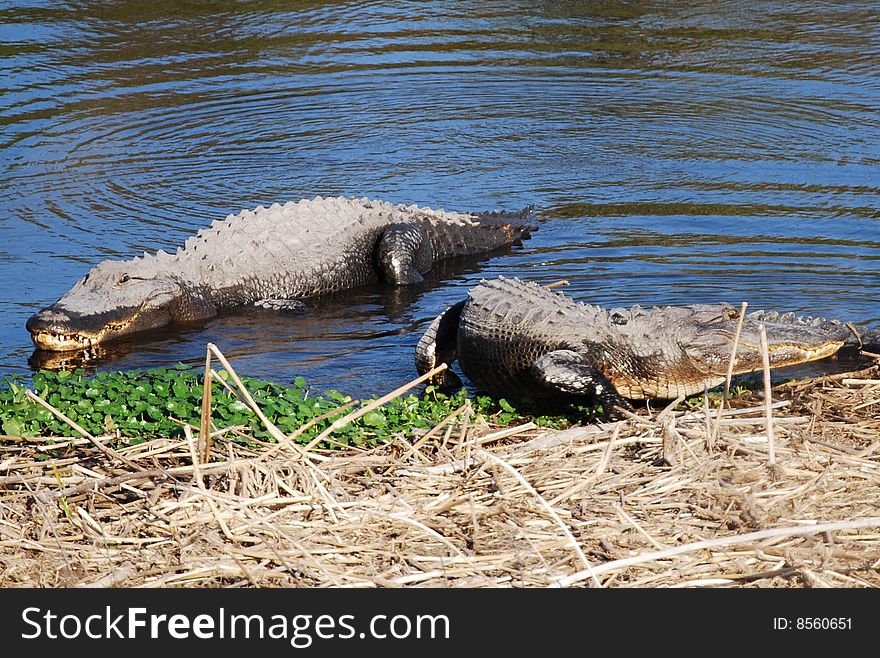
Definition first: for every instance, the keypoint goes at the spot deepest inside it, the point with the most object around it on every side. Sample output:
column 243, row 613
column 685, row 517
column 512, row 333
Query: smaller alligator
column 272, row 257
column 522, row 340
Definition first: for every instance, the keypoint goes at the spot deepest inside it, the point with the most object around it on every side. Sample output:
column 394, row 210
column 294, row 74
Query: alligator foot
column 291, row 306
column 403, row 253
column 564, row 372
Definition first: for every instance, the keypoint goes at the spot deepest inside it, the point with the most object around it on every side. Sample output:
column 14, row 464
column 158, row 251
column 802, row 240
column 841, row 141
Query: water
column 680, row 151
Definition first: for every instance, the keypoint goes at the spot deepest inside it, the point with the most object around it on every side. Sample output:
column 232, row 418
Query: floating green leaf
column 141, row 405
column 12, row 427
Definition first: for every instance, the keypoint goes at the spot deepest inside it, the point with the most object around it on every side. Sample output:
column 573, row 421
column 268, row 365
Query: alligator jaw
column 64, row 339
column 669, row 385
column 783, row 353
column 45, row 340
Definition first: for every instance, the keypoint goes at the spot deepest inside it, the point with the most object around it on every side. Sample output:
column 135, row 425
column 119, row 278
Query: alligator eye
column 124, row 278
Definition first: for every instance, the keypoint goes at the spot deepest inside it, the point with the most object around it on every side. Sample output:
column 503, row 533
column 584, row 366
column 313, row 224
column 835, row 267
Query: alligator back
column 507, row 324
column 321, row 245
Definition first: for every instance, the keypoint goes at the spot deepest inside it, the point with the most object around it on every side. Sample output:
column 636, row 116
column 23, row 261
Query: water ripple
column 679, row 151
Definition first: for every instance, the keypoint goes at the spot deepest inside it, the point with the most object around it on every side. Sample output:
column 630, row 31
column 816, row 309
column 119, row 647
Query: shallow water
column 679, row 151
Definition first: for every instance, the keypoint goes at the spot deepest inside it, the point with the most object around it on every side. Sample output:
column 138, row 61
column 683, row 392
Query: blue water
column 679, row 151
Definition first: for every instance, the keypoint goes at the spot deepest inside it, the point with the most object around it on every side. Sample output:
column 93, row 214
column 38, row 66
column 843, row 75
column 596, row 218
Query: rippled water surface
column 680, row 152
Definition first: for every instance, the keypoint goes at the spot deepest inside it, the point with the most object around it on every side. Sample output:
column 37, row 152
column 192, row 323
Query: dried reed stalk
column 727, row 379
column 249, row 400
column 768, row 396
column 557, row 284
column 278, row 447
column 739, row 325
column 747, row 538
column 385, row 399
column 205, row 420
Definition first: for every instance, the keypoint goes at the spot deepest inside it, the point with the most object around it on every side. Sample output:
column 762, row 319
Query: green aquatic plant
column 135, row 406
column 139, row 405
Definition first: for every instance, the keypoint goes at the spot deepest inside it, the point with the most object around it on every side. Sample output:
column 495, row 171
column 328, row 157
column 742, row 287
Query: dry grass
column 670, row 499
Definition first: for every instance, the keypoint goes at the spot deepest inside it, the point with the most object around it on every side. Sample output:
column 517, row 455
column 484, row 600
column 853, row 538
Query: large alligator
column 273, row 257
column 526, row 341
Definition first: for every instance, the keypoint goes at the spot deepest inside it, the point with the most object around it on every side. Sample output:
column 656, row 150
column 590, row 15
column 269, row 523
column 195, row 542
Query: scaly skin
column 523, row 340
column 272, row 257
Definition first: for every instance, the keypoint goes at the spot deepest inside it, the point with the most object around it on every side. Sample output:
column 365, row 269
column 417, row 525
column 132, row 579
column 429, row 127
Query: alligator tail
column 485, row 232
column 439, row 344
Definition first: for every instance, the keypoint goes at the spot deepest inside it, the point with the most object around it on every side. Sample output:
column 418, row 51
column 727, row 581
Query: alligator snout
column 49, row 320
column 54, row 329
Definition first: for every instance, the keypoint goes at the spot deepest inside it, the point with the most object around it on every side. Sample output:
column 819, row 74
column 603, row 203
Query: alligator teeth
column 63, row 338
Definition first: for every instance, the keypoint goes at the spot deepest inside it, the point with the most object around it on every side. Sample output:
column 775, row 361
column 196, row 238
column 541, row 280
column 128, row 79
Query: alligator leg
column 564, row 371
column 439, row 344
column 403, row 253
column 291, row 306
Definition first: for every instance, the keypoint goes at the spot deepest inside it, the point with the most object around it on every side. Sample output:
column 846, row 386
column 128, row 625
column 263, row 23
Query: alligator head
column 114, row 299
column 684, row 348
column 790, row 340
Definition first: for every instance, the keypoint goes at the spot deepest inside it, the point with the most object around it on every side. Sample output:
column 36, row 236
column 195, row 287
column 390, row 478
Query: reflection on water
column 680, row 151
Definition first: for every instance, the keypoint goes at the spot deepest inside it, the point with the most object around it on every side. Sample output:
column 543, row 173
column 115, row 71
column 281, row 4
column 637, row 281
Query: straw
column 490, row 506
column 768, row 396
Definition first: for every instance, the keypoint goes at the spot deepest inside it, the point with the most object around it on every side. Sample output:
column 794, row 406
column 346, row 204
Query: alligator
column 524, row 341
column 272, row 257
